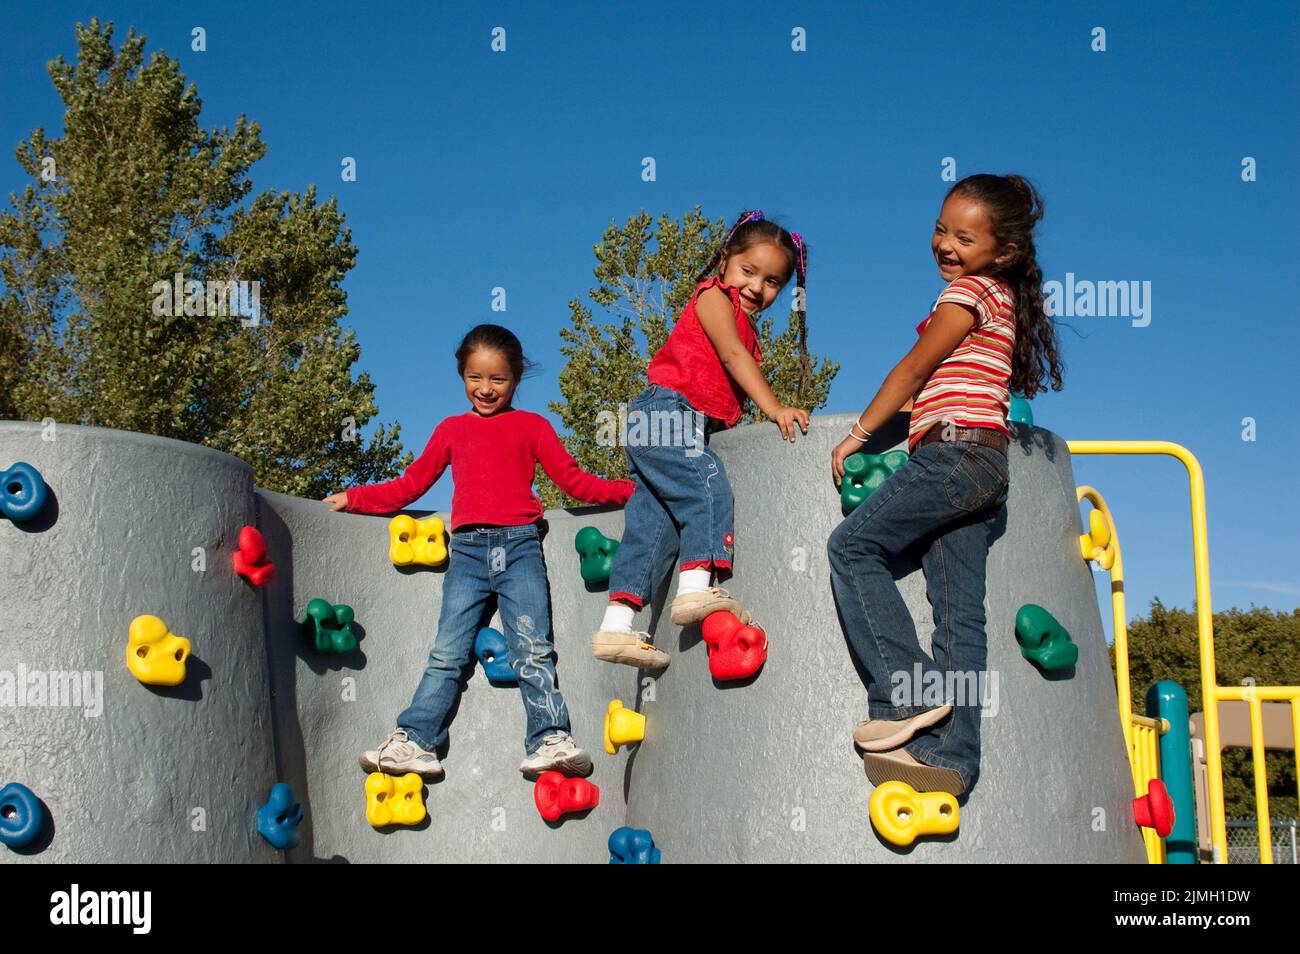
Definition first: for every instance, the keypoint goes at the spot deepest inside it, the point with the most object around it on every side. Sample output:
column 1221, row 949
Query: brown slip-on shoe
column 898, row 765
column 881, row 735
column 691, row 608
column 630, row 649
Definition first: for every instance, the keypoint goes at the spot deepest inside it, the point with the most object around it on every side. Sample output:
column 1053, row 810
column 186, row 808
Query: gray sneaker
column 558, row 753
column 398, row 755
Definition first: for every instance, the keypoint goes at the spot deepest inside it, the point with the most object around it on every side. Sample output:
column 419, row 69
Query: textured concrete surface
column 763, row 771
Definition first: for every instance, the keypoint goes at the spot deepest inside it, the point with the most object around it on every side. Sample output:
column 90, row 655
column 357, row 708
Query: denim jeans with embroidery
column 946, row 501
column 682, row 508
column 505, row 563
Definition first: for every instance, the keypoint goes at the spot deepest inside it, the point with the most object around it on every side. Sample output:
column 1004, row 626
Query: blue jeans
column 946, row 500
column 682, row 503
column 505, row 562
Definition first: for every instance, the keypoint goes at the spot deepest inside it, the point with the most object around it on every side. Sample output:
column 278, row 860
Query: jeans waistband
column 652, row 391
column 970, row 435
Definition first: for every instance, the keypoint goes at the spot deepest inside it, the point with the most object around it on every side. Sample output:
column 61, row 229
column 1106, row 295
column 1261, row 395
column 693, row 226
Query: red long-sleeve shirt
column 493, row 460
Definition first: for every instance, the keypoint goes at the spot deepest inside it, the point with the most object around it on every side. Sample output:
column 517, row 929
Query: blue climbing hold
column 22, row 492
column 632, row 846
column 22, row 816
column 278, row 819
column 493, row 656
column 1020, row 411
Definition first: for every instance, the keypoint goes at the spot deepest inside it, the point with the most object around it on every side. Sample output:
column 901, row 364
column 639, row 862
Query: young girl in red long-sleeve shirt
column 495, row 552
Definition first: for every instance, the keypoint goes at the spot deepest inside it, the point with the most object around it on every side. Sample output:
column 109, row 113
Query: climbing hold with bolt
column 154, row 654
column 901, row 814
column 596, row 554
column 1043, row 640
column 863, row 475
column 416, row 541
column 250, row 559
column 622, row 726
column 328, row 627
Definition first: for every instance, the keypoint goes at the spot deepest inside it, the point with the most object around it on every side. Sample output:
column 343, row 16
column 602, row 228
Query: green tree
column 646, row 273
column 1257, row 643
column 134, row 192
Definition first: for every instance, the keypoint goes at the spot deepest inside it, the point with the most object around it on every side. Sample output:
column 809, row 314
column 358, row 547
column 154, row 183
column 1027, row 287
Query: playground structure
column 760, row 769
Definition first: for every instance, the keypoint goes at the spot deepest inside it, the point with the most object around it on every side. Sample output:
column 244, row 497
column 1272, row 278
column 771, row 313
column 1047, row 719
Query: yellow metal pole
column 1204, row 615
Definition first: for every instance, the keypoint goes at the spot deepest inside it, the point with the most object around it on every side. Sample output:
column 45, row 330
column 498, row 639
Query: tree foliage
column 1257, row 643
column 134, row 192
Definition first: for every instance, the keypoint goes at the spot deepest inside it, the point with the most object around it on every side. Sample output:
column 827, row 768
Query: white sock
column 618, row 618
column 693, row 581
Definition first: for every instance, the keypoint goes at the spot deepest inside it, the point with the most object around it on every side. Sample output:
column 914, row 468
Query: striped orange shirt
column 971, row 387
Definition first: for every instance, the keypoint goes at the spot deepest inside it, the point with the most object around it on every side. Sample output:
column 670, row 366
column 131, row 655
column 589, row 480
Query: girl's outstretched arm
column 572, row 479
column 946, row 330
column 718, row 319
column 395, row 494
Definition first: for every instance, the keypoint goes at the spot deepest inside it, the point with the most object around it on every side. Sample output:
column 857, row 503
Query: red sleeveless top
column 688, row 363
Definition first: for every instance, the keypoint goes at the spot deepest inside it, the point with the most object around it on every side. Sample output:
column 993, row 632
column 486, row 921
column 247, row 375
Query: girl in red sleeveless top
column 682, row 508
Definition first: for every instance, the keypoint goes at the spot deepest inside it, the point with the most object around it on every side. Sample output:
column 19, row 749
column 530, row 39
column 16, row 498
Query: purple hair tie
column 755, row 216
column 798, row 244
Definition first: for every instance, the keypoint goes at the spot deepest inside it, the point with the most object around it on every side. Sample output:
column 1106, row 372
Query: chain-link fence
column 1243, row 841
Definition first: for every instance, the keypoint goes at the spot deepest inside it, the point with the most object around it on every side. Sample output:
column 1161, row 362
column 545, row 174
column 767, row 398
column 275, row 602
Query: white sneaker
column 398, row 755
column 558, row 753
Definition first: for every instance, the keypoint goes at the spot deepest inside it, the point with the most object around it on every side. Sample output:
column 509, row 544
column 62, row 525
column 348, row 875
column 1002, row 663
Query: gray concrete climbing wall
column 759, row 772
column 157, row 774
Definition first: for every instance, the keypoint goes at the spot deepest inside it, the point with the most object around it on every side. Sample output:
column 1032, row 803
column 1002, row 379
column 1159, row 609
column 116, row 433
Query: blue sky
column 478, row 170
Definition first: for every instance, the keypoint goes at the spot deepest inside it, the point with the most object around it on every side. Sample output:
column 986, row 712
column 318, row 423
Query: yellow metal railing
column 1211, row 692
column 1141, row 733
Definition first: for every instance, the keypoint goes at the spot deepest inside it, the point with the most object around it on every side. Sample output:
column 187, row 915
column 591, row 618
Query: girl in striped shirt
column 988, row 334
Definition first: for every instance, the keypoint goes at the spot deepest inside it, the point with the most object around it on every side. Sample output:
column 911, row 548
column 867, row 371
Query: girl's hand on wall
column 785, row 418
column 337, row 501
column 842, row 450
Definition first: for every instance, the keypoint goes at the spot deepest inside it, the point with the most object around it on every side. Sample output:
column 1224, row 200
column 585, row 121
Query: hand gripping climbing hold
column 622, row 726
column 490, row 648
column 596, row 552
column 394, row 800
column 416, row 541
column 329, row 627
column 555, row 794
column 22, row 816
column 277, row 820
column 22, row 492
column 1155, row 809
column 154, row 654
column 250, row 559
column 863, row 475
column 1043, row 640
column 1020, row 411
column 901, row 814
column 632, row 846
column 735, row 651
column 1098, row 543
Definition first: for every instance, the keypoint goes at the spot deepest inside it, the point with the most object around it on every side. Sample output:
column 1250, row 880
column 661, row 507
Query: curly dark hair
column 1014, row 207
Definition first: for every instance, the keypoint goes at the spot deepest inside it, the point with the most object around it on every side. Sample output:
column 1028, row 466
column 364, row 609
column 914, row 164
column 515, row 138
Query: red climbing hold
column 1155, row 809
column 735, row 651
column 556, row 794
column 250, row 558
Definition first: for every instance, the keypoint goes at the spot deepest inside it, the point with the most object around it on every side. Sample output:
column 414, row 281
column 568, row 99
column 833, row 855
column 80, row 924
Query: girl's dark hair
column 752, row 229
column 494, row 338
column 1014, row 208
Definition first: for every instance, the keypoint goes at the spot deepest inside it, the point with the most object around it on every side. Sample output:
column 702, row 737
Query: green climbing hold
column 328, row 627
column 864, row 473
column 1043, row 640
column 597, row 554
column 1020, row 411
